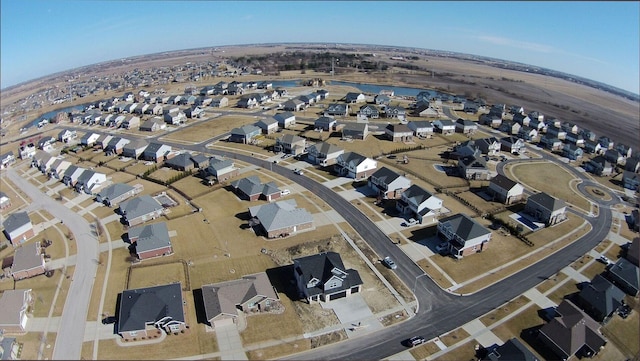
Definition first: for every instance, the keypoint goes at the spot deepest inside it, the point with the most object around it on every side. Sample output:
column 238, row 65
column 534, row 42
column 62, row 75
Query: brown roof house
column 223, row 301
column 15, row 307
column 140, row 209
column 146, row 311
column 505, row 190
column 546, row 208
column 151, row 240
column 280, row 219
column 18, row 228
column 323, row 277
column 252, row 189
column 28, row 261
column 573, row 332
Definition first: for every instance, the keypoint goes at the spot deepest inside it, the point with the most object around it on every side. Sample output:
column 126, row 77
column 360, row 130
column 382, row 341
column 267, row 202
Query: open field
column 209, row 128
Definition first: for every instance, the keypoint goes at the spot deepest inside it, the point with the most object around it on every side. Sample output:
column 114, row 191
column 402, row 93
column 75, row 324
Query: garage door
column 335, row 296
column 223, row 322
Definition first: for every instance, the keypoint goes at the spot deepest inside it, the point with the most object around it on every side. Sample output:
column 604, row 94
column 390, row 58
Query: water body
column 52, row 114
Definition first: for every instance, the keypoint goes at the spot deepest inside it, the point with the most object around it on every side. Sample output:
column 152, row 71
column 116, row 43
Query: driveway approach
column 68, row 344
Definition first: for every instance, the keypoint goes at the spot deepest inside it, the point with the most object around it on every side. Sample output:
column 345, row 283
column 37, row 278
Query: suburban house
column 492, row 120
column 599, row 166
column 323, row 277
column 46, row 143
column 268, row 125
column 354, row 165
column 71, row 175
column 600, row 298
column 337, row 109
column 244, row 134
column 58, row 168
column 546, row 208
column 473, row 167
column 5, row 201
column 572, row 151
column 223, row 301
column 421, row 129
column 357, row 131
column 351, row 98
column 513, row 145
column 153, row 125
column 633, row 250
column 527, row 133
column 487, row 146
column 324, row 154
column 181, row 162
column 630, row 180
column 575, row 139
column 15, row 305
column 28, row 261
column 624, row 149
column 465, row 126
column 419, row 204
column 550, row 142
column 219, row 102
column 27, row 151
column 445, row 126
column 293, row 105
column 572, row 332
column 381, row 99
column 397, row 112
column 388, row 184
column 512, row 350
column 140, row 209
column 285, row 120
column 613, row 156
column 221, row 170
column 556, row 132
column 151, row 240
column 130, row 122
column 115, row 193
column 424, row 109
column 89, row 139
column 134, row 148
column 89, row 180
column 18, row 228
column 398, row 133
column 280, row 219
column 325, row 123
column 252, row 189
column 66, row 135
column 291, row 144
column 144, row 311
column 632, row 164
column 625, row 275
column 156, row 152
column 504, row 190
column 369, row 111
column 465, row 236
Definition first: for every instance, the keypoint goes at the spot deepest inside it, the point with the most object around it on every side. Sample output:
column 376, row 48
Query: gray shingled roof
column 321, row 266
column 15, row 221
column 139, row 206
column 547, row 201
column 150, row 237
column 11, row 304
column 279, row 215
column 465, row 227
column 223, row 297
column 416, row 194
column 503, row 182
column 352, row 158
column 114, row 191
column 602, row 295
column 145, row 305
column 27, row 257
column 385, row 175
column 512, row 350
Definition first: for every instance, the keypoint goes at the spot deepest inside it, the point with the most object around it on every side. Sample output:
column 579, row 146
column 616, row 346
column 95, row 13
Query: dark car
column 109, row 320
column 415, row 341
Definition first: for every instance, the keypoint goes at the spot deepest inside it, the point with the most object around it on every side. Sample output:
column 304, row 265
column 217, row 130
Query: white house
column 354, row 165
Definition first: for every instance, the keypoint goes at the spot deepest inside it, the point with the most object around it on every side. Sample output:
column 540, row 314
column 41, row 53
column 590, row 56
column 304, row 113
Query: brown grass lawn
column 624, row 333
column 192, row 186
column 256, row 150
column 116, row 283
column 57, row 236
column 116, row 230
column 149, row 188
column 17, row 196
column 434, row 274
column 526, row 319
column 210, row 128
column 283, row 349
column 264, row 327
column 477, row 201
column 603, row 245
column 594, row 269
column 163, row 174
column 546, row 235
column 31, row 345
column 464, row 352
column 581, row 262
column 561, row 292
column 504, row 310
column 454, row 336
column 550, row 178
column 551, row 282
column 149, row 275
column 425, row 350
column 139, row 167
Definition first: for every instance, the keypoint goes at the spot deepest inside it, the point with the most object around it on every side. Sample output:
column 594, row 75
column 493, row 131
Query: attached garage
column 337, row 295
column 226, row 321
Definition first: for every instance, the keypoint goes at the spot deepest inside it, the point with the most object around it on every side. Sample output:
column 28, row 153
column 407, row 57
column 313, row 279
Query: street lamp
column 415, row 283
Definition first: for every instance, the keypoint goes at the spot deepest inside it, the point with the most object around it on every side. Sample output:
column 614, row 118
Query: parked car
column 387, row 261
column 285, row 192
column 442, row 246
column 604, row 260
column 298, row 172
column 415, row 341
column 410, row 222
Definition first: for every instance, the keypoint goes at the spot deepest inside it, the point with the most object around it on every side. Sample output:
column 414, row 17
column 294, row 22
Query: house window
column 133, row 333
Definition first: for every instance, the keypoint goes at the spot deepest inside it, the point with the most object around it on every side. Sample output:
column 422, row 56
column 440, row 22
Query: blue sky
column 595, row 40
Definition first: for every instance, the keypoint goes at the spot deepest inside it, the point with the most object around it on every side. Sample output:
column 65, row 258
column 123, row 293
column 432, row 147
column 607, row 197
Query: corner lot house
column 504, row 190
column 117, row 192
column 324, row 153
column 223, row 301
column 419, row 203
column 5, row 201
column 244, row 134
column 388, row 184
column 280, row 219
column 28, row 261
column 14, row 305
column 354, row 165
column 18, row 228
column 600, row 298
column 145, row 311
column 464, row 235
column 573, row 332
column 151, row 240
column 546, row 208
column 323, row 277
column 626, row 276
column 140, row 209
column 156, row 152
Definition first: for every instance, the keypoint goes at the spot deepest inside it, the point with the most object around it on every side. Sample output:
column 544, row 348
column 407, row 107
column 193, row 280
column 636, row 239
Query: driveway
column 354, row 313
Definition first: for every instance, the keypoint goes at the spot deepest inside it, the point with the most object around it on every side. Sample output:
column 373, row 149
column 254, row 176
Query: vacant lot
column 204, row 130
column 163, row 272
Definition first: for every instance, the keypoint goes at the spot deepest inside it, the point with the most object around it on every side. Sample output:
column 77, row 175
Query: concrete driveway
column 354, row 313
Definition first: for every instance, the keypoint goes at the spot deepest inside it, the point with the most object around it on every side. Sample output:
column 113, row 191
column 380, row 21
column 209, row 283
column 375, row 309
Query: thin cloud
column 497, row 40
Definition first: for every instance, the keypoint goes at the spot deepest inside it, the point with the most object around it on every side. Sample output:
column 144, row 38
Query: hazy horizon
column 74, row 34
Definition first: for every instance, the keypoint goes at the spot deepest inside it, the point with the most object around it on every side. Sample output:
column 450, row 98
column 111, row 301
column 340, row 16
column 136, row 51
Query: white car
column 285, row 192
column 298, row 172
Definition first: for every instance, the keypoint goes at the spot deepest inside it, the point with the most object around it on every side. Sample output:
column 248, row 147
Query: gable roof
column 115, row 190
column 180, row 160
column 223, row 297
column 278, row 215
column 150, row 236
column 512, row 350
column 465, row 227
column 547, row 201
column 13, row 303
column 27, row 256
column 144, row 305
column 245, row 130
column 351, row 158
column 252, row 185
column 602, row 295
column 323, row 267
column 503, row 182
column 626, row 271
column 15, row 221
column 139, row 206
column 385, row 175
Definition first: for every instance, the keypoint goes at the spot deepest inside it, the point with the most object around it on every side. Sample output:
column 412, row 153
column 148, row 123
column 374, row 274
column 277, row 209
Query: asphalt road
column 70, row 334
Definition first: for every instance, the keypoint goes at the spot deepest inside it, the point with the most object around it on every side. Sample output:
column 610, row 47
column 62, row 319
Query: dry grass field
column 209, row 128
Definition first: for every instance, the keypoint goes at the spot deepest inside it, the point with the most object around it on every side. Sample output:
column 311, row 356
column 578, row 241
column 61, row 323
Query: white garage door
column 223, row 322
